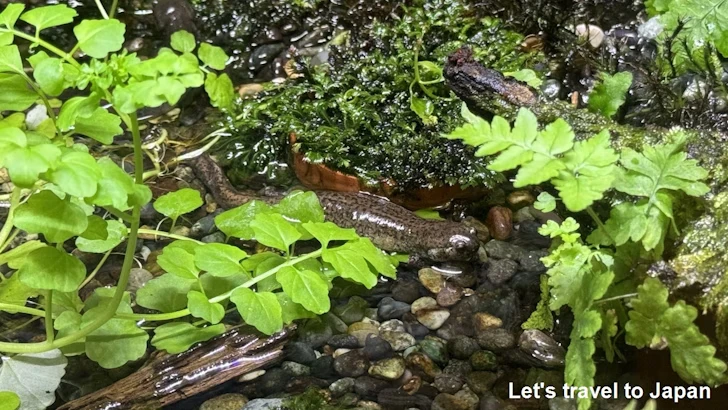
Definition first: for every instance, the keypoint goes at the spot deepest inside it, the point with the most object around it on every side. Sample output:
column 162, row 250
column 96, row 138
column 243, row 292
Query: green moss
column 370, row 112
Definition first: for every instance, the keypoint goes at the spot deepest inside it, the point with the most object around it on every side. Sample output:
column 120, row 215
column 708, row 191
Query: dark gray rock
column 352, row 311
column 274, row 380
column 323, row 367
column 503, row 250
column 501, row 270
column 414, row 327
column 300, row 353
column 342, row 386
column 315, row 333
column 351, row 364
column 368, row 387
column 447, row 383
column 462, row 347
column 343, row 341
column 542, row 347
column 531, row 261
column 392, row 309
column 496, row 339
column 484, row 360
column 481, row 382
column 407, row 290
column 376, row 348
column 459, row 368
column 396, row 399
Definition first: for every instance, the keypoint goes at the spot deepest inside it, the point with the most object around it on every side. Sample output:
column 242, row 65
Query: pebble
column 501, row 270
column 362, row 330
column 542, row 347
column 323, row 367
column 392, row 309
column 522, row 215
column 274, row 380
column 216, row 237
column 347, row 400
column 445, row 401
column 435, row 348
column 531, row 261
column 204, row 226
column 376, row 348
column 352, row 311
column 499, row 222
column 388, row 369
column 351, row 364
column 368, row 405
column 315, row 333
column 519, row 199
column 421, row 365
column 449, row 295
column 342, row 386
column 446, row 383
column 503, row 250
column 399, row 340
column 431, row 280
column 480, row 381
column 368, row 387
column 406, row 290
column 459, row 368
column 484, row 360
column 481, row 230
column 423, row 304
column 551, row 89
column 229, row 401
column 343, row 341
column 339, row 352
column 398, row 399
column 462, row 347
column 264, row 404
column 296, row 369
column 488, row 401
column 300, row 353
column 337, row 325
column 393, row 325
column 496, row 339
column 137, row 278
column 591, row 33
column 433, row 319
column 413, row 327
column 483, row 321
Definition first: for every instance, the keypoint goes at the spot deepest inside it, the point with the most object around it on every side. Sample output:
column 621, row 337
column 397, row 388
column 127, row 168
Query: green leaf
column 16, row 95
column 67, row 323
column 291, row 310
column 220, row 89
column 202, row 308
column 177, row 203
column 545, row 202
column 429, row 213
column 424, row 108
column 116, row 188
column 10, row 61
column 77, row 174
column 14, row 292
column 16, row 256
column 259, row 309
column 49, row 16
column 9, row 400
column 183, row 41
column 326, row 232
column 179, row 262
column 10, row 14
column 52, row 269
column 212, row 56
column 48, row 73
column 526, row 75
column 261, row 263
column 236, row 222
column 350, row 265
column 220, row 259
column 176, row 337
column 475, row 133
column 98, row 38
column 115, row 234
column 57, row 219
column 702, row 21
column 653, row 321
column 580, row 368
column 300, row 206
column 275, row 231
column 101, row 125
column 589, row 172
column 34, row 377
column 609, row 93
column 117, row 341
column 166, row 293
column 75, row 107
column 306, row 288
column 554, row 140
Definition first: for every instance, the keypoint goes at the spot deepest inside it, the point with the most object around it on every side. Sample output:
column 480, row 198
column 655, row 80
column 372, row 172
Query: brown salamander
column 389, row 226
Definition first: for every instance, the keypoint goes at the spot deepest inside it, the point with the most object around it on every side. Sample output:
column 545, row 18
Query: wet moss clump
column 378, row 107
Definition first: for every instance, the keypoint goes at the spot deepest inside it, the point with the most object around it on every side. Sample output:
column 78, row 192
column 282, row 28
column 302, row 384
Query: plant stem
column 102, row 10
column 7, row 243
column 182, row 313
column 48, row 46
column 110, row 310
column 9, row 307
column 50, row 335
column 8, row 226
column 95, row 271
column 628, row 295
column 155, row 232
column 112, row 10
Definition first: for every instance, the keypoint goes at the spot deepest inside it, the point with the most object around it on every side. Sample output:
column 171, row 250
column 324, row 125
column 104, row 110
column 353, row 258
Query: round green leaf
column 305, row 287
column 57, row 219
column 9, row 400
column 98, row 38
column 201, row 307
column 259, row 309
column 52, row 269
column 76, row 174
column 49, row 76
column 301, row 207
column 167, row 293
column 220, row 259
column 178, row 262
column 49, row 16
column 236, row 222
column 183, row 41
column 213, row 56
column 176, row 337
column 275, row 231
column 115, row 234
column 178, row 202
column 117, row 341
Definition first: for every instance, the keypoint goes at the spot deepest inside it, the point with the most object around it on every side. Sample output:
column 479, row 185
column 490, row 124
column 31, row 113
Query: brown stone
column 519, row 199
column 500, row 222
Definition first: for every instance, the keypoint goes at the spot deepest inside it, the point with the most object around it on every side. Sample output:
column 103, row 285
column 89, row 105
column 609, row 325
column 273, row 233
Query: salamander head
column 457, row 243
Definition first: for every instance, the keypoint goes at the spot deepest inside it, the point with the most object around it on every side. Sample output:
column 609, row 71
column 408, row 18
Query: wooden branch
column 167, row 379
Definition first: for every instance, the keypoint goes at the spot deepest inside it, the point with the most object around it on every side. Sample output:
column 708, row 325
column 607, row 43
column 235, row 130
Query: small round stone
column 300, row 353
column 229, row 401
column 542, row 347
column 343, row 340
column 503, row 250
column 295, row 369
column 480, row 381
column 446, row 383
column 519, row 199
column 433, row 319
column 436, row 349
column 499, row 222
column 323, row 367
column 445, row 401
column 484, row 360
column 422, row 365
column 392, row 309
column 500, row 271
column 422, row 304
column 483, row 321
column 362, row 330
column 407, row 291
column 376, row 348
column 398, row 340
column 462, row 347
column 342, row 386
column 393, row 325
column 388, row 369
column 351, row 364
column 449, row 295
column 431, row 280
column 496, row 339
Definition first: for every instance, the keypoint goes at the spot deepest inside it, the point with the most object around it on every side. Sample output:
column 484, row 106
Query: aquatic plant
column 591, row 278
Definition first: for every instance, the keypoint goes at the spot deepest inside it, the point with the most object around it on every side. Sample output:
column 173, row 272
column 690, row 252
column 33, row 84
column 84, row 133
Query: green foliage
column 705, row 20
column 654, row 323
column 541, row 317
column 9, row 400
column 609, row 93
column 178, row 203
column 33, row 378
column 176, row 337
column 580, row 171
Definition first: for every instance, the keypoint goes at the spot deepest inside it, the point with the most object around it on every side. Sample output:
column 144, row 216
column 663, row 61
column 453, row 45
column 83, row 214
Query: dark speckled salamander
column 389, row 226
